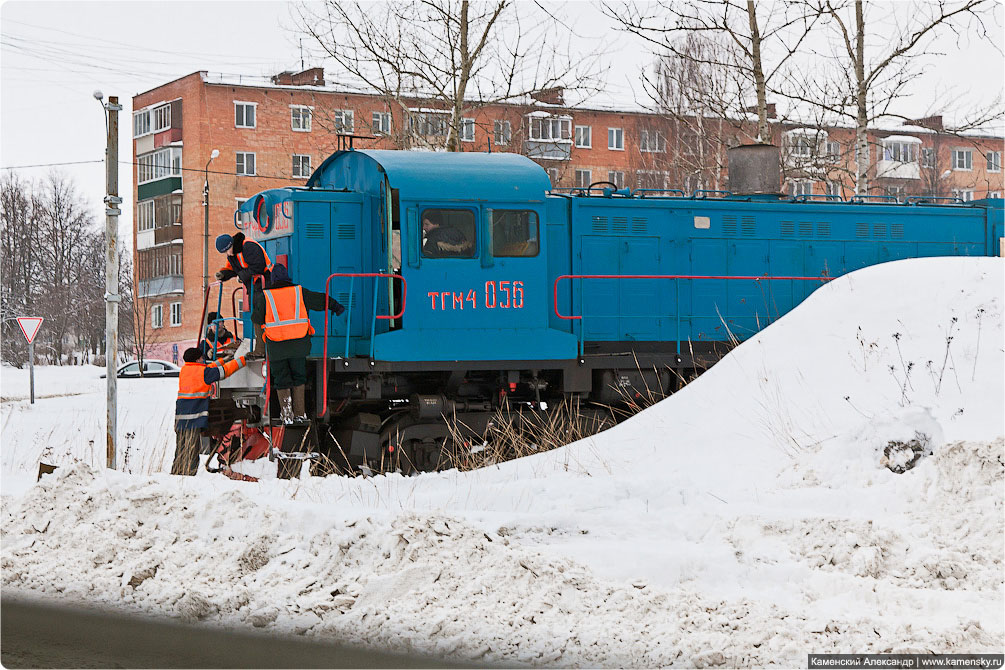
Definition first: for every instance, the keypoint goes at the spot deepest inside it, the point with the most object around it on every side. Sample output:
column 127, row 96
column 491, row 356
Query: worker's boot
column 299, row 410
column 285, row 406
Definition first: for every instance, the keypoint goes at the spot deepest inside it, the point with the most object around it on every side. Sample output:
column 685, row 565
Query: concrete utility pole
column 112, row 211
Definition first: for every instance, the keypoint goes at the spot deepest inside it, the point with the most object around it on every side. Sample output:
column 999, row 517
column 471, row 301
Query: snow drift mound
column 428, row 583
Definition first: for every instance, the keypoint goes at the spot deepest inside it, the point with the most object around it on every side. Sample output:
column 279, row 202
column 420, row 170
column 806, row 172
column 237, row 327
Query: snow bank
column 436, row 584
column 747, row 520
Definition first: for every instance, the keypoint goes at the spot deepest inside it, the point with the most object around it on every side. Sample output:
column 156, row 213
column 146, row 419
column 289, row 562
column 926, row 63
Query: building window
column 963, row 159
column 245, row 163
column 583, row 178
column 617, row 178
column 428, row 124
column 900, row 151
column 964, row 194
column 145, row 216
column 994, row 194
column 800, row 188
column 584, row 137
column 801, row 146
column 616, row 139
column 651, row 179
column 553, row 176
column 897, row 192
column 832, row 188
column 244, row 114
column 381, row 123
column 300, row 118
column 157, row 316
column 176, row 314
column 141, row 123
column 502, row 132
column 652, row 141
column 928, row 158
column 833, row 150
column 162, row 118
column 343, row 121
column 158, row 164
column 994, row 161
column 467, row 130
column 301, row 166
column 550, row 128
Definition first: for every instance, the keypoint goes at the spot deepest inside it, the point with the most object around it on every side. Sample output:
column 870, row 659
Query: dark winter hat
column 224, row 242
column 211, row 317
column 191, row 355
column 279, row 274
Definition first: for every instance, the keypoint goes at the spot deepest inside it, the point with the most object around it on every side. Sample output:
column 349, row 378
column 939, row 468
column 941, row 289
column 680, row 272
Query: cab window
column 515, row 233
column 448, row 233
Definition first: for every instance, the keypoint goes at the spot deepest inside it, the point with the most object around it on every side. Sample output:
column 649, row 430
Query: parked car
column 151, row 368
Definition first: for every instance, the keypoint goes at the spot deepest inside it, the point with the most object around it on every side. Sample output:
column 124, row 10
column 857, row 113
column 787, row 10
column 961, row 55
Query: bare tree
column 436, row 61
column 869, row 74
column 762, row 38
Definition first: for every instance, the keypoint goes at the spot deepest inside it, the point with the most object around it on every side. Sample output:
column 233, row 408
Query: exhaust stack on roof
column 754, row 169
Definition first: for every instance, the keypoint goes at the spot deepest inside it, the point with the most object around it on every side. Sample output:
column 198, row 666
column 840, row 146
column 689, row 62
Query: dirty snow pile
column 746, row 521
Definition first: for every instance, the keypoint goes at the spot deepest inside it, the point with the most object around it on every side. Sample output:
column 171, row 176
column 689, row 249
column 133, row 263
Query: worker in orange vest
column 247, row 258
column 282, row 311
column 191, row 414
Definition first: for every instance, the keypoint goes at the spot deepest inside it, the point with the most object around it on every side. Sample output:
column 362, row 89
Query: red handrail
column 747, row 277
column 392, row 317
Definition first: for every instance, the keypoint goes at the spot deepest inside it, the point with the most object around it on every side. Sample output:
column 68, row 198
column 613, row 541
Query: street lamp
column 205, row 233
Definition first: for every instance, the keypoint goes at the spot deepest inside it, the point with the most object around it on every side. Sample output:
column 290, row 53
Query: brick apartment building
column 274, row 132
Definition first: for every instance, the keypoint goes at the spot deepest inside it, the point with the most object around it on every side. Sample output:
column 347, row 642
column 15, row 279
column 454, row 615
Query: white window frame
column 548, row 128
column 646, row 145
column 900, row 151
column 141, row 123
column 158, row 164
column 799, row 187
column 966, row 165
column 502, row 133
column 297, row 114
column 467, row 129
column 298, row 166
column 380, row 123
column 832, row 188
column 254, row 114
column 161, row 117
column 965, row 194
column 927, row 157
column 145, row 212
column 343, row 117
column 157, row 316
column 584, row 137
column 615, row 139
column 175, row 314
column 583, row 183
column 994, row 194
column 616, row 177
column 994, row 161
column 241, row 163
column 662, row 176
column 553, row 176
column 833, row 149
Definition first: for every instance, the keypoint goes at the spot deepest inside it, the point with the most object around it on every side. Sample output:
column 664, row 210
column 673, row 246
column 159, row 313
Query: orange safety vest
column 191, row 383
column 286, row 317
column 240, row 256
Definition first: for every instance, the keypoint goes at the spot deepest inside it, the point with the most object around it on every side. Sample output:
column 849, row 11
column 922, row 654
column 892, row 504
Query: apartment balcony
column 550, row 150
column 898, row 170
column 161, row 286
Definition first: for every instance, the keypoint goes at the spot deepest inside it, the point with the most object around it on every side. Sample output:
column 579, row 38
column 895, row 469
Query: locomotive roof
column 428, row 175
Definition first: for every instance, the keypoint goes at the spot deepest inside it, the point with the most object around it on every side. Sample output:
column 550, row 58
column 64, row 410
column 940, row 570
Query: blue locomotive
column 469, row 282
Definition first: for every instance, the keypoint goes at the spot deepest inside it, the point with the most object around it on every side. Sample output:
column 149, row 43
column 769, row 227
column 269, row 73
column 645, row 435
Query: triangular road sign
column 29, row 326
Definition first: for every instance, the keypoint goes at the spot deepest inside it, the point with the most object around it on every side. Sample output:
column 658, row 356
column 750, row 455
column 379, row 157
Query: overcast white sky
column 55, row 54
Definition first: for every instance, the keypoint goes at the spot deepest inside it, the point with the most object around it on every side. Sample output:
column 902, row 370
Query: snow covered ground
column 746, row 521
